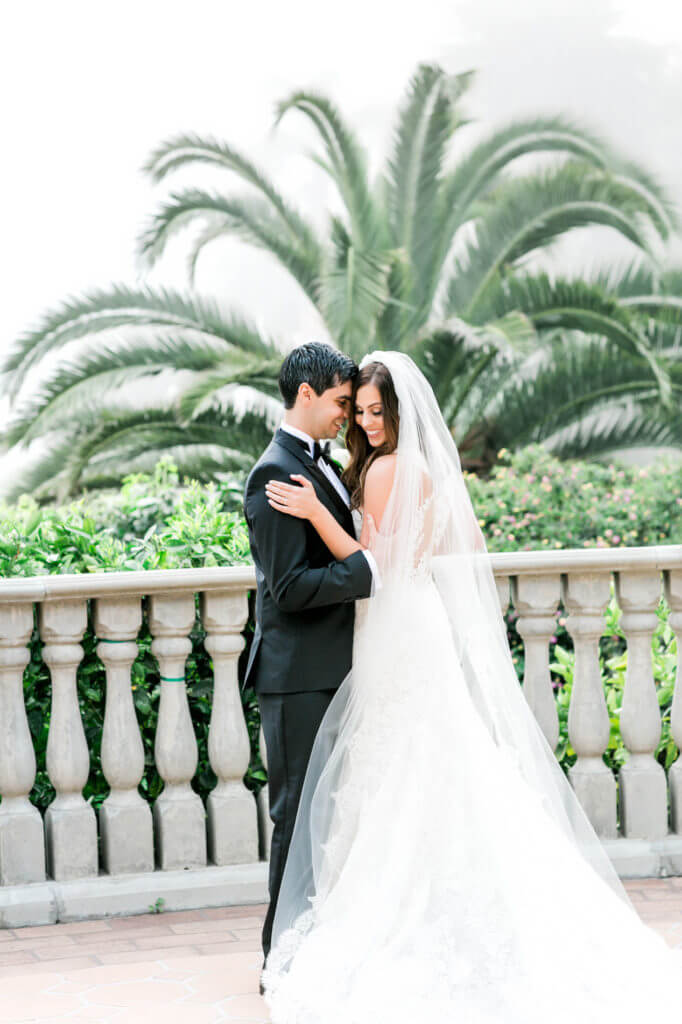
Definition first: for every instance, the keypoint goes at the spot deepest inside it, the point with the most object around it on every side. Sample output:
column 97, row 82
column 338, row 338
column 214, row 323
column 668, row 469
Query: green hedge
column 530, row 501
column 534, row 501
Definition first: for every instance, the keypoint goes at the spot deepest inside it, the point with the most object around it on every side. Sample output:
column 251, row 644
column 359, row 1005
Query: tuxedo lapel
column 296, row 448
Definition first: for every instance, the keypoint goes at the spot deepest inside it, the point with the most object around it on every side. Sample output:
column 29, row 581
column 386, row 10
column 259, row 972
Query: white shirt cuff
column 374, row 569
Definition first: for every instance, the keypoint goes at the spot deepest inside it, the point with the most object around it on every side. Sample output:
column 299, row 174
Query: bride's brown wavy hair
column 362, row 455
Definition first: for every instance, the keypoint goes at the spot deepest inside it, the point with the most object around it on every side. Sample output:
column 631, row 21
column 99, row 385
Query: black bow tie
column 321, row 451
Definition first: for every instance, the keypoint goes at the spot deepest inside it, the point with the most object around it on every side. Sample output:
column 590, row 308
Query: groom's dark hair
column 316, row 364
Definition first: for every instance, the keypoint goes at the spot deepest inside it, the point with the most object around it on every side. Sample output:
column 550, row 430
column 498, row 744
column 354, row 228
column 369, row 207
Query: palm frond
column 197, row 461
column 530, row 213
column 638, row 277
column 202, row 389
column 120, row 307
column 578, row 306
column 617, row 429
column 426, row 124
column 661, row 210
column 40, row 465
column 572, row 379
column 354, row 291
column 59, row 388
column 185, row 149
column 479, row 170
column 249, row 218
column 397, row 321
column 453, row 356
column 346, row 162
column 83, row 403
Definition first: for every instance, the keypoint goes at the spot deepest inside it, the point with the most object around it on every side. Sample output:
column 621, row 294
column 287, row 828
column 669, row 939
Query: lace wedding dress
column 441, row 869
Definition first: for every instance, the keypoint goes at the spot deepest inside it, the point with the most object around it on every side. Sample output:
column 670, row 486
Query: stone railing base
column 237, row 885
column 646, row 858
column 125, row 895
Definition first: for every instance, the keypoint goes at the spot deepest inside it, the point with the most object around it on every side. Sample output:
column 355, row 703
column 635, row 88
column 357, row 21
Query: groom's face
column 326, row 413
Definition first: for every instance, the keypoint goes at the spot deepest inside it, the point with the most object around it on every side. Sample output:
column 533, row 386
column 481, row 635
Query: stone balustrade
column 78, row 863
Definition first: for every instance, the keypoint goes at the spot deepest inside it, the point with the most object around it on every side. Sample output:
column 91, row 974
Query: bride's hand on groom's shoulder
column 298, row 500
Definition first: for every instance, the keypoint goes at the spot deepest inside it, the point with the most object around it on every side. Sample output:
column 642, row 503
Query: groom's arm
column 281, row 544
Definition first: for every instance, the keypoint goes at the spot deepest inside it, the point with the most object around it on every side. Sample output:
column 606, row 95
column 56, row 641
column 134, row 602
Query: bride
column 441, row 868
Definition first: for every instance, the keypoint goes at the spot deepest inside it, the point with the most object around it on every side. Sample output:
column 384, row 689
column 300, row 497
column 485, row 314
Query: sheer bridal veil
column 428, row 529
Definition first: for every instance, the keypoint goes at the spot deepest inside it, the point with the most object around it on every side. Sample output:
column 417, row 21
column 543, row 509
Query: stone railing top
column 240, row 577
column 587, row 559
column 120, row 584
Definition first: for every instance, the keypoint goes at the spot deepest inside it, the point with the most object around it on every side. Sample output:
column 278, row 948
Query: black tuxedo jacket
column 305, row 598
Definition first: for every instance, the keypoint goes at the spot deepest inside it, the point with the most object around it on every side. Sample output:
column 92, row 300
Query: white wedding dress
column 439, row 871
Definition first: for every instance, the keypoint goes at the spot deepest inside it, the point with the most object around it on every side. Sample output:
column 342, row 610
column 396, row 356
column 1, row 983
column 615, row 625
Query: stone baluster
column 127, row 836
column 502, row 585
column 673, row 595
column 70, row 823
column 264, row 820
column 231, row 808
column 643, row 787
column 22, row 842
column 179, row 816
column 536, row 599
column 585, row 596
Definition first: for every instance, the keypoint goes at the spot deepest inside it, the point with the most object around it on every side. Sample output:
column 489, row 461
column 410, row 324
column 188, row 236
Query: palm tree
column 443, row 256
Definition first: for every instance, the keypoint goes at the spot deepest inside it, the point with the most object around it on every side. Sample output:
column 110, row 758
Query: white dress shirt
column 340, row 489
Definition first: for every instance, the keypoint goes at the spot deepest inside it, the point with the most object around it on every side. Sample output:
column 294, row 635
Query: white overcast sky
column 88, row 89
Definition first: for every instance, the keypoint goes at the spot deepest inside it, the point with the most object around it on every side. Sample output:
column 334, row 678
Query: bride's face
column 369, row 414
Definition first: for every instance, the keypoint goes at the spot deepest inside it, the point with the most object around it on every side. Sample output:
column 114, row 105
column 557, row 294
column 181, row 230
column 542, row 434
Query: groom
column 302, row 645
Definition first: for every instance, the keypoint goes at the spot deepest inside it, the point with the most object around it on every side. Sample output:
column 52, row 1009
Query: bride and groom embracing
column 429, row 859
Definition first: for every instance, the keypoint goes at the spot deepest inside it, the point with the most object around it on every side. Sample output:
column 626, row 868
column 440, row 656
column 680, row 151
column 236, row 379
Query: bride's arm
column 378, row 484
column 302, row 501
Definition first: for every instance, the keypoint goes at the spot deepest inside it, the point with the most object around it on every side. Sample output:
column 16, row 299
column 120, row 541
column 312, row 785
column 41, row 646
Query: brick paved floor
column 194, row 967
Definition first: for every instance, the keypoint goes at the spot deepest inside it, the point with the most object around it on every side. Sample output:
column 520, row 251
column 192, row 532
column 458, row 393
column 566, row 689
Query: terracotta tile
column 251, row 1006
column 125, row 935
column 57, row 953
column 67, row 928
column 18, row 957
column 146, row 956
column 170, row 1014
column 215, row 985
column 197, row 965
column 245, row 910
column 226, row 926
column 166, row 942
column 247, row 933
column 229, row 948
column 42, row 943
column 170, row 916
column 127, row 993
column 75, row 963
column 139, row 921
column 247, row 946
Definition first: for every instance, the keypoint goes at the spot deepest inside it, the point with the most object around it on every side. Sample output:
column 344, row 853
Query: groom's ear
column 305, row 392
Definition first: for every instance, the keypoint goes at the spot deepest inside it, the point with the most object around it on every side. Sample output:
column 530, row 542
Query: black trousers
column 290, row 724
